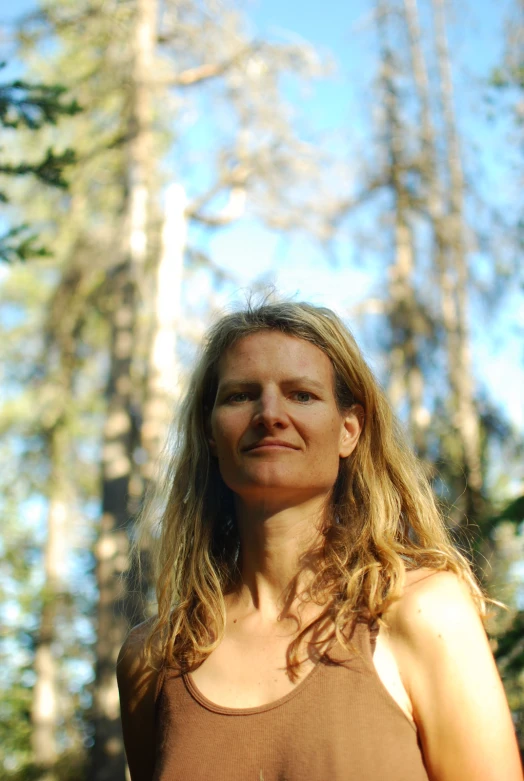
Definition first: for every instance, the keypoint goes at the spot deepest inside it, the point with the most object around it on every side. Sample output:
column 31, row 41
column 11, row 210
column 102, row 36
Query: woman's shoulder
column 434, row 613
column 433, row 603
column 447, row 667
column 138, row 670
column 138, row 666
column 135, row 644
column 433, row 596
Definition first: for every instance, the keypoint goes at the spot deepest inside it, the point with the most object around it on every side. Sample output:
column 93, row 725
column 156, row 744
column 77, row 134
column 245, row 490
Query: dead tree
column 117, row 609
column 455, row 283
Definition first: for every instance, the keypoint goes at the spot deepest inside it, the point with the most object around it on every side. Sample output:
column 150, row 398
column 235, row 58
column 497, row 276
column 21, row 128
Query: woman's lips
column 274, row 444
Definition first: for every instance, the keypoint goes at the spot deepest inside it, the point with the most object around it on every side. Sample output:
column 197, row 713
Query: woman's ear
column 352, row 425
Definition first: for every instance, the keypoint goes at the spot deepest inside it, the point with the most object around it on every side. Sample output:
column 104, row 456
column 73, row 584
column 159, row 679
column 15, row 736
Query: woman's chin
column 278, row 493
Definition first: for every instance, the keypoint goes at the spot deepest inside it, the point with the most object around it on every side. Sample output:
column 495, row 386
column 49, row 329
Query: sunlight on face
column 275, row 424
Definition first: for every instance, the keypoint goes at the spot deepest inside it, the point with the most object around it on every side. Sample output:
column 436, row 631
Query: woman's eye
column 303, row 396
column 238, row 397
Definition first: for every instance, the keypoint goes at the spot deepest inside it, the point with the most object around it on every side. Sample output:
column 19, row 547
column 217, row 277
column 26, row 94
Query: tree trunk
column 119, row 607
column 455, row 277
column 61, row 334
column 162, row 375
column 45, row 706
column 428, row 164
column 112, row 547
column 406, row 379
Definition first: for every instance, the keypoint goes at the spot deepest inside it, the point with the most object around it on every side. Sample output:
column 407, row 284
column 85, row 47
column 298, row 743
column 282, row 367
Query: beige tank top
column 338, row 724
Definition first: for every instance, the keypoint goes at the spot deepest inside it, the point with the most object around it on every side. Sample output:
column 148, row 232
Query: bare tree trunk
column 112, row 547
column 406, row 379
column 455, row 284
column 61, row 338
column 420, row 75
column 116, row 608
column 429, row 158
column 162, row 375
column 428, row 164
column 162, row 378
column 45, row 706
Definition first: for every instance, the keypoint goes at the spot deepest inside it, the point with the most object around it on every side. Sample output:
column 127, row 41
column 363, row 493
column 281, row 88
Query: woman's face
column 275, row 426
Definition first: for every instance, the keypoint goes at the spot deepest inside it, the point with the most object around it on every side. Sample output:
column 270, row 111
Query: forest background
column 159, row 159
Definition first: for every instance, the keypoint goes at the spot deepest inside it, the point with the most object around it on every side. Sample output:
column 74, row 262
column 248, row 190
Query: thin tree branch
column 211, row 70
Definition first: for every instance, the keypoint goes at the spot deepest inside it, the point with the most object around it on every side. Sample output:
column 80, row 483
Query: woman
column 314, row 621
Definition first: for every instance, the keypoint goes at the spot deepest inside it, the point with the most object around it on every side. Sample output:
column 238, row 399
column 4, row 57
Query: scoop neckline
column 195, row 692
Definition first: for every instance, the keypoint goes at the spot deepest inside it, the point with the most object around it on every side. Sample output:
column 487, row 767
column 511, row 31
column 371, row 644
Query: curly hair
column 383, row 515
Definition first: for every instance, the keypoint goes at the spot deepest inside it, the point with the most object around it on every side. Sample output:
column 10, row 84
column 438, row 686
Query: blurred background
column 159, row 161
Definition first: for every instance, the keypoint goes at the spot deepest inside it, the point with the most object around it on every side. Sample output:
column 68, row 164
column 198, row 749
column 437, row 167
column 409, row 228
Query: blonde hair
column 384, row 517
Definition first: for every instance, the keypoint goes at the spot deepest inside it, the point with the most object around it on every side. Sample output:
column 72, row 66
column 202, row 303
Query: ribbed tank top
column 338, row 724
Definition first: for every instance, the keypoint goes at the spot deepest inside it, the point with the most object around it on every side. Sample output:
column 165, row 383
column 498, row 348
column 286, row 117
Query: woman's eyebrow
column 289, row 381
column 305, row 380
column 229, row 384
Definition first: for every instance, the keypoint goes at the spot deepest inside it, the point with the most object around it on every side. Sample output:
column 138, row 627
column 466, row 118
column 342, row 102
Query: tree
column 407, row 320
column 455, row 284
column 256, row 159
column 423, row 181
column 32, row 105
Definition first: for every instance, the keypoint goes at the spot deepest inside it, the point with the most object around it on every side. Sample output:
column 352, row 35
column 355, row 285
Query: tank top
column 339, row 723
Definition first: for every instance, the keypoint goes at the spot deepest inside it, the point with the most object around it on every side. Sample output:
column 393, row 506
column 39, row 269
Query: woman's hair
column 382, row 517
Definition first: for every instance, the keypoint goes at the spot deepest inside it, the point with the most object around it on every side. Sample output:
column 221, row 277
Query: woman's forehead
column 273, row 352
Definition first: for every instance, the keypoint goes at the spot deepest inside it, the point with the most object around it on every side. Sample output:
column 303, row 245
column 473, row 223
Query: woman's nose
column 270, row 411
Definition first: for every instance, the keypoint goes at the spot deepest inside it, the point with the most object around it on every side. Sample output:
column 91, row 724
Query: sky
column 296, row 266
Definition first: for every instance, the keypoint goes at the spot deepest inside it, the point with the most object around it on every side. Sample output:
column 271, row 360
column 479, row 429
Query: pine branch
column 49, row 170
column 20, row 244
column 32, row 105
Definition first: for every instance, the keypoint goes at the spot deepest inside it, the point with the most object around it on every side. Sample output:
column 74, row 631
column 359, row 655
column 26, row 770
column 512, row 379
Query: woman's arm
column 459, row 703
column 137, row 685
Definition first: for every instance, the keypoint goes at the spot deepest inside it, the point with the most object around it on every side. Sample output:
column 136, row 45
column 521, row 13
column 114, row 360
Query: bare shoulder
column 432, row 596
column 434, row 622
column 447, row 667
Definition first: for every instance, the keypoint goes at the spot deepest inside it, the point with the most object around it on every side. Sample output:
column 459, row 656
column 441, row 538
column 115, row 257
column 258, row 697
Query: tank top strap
column 361, row 641
column 374, row 628
column 364, row 637
column 160, row 681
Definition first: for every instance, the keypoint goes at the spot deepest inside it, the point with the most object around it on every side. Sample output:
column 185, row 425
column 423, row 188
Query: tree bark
column 455, row 282
column 406, row 383
column 61, row 331
column 112, row 548
column 45, row 705
column 162, row 382
column 118, row 606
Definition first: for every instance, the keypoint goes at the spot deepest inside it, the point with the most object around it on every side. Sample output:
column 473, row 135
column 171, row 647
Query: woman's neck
column 279, row 555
